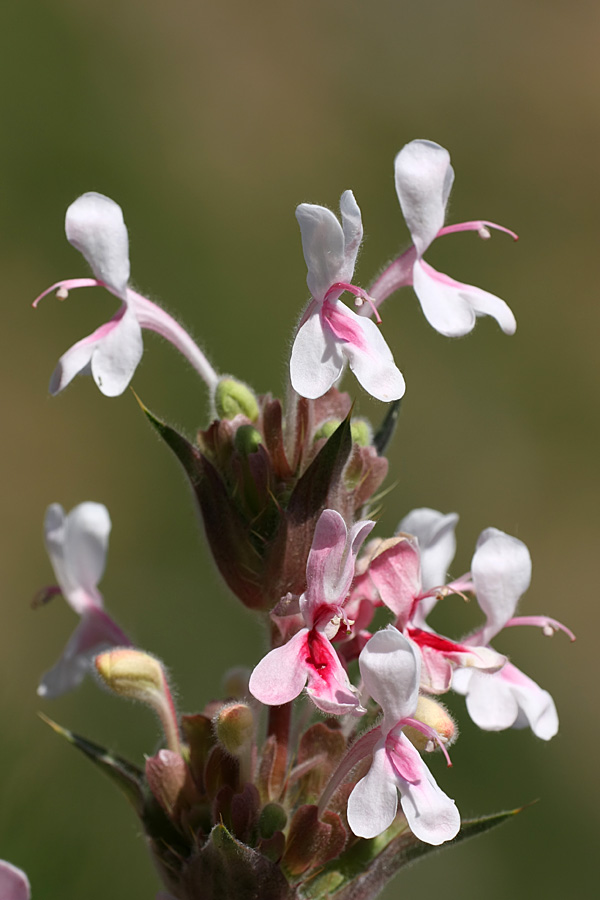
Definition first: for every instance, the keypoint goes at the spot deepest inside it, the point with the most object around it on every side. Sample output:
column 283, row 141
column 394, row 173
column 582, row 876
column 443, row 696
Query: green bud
column 327, row 429
column 234, row 727
column 273, row 818
column 234, row 398
column 247, row 439
column 361, row 432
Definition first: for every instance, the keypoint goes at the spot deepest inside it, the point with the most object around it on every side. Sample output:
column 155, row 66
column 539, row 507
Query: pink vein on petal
column 343, row 327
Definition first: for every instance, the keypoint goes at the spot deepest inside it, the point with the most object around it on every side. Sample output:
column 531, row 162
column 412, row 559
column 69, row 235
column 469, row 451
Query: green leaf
column 132, row 783
column 385, row 432
column 128, row 778
column 186, row 453
column 225, row 868
column 365, row 868
column 312, row 493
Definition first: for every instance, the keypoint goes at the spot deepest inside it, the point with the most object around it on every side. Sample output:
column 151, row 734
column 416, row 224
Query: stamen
column 429, row 732
column 360, row 295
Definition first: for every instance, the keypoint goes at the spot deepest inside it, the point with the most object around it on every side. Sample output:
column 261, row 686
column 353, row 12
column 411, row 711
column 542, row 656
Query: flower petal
column 373, row 803
column 424, row 178
column 117, row 355
column 353, row 233
column 75, row 361
column 437, row 543
column 443, row 304
column 452, row 307
column 369, row 356
column 331, row 562
column 94, row 225
column 328, row 684
column 323, row 247
column 507, row 699
column 396, row 574
column 316, row 361
column 501, row 571
column 14, row 884
column 281, row 675
column 390, row 666
column 77, row 545
column 95, row 633
column 430, row 813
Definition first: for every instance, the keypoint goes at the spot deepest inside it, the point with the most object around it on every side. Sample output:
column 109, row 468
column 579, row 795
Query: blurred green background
column 208, row 123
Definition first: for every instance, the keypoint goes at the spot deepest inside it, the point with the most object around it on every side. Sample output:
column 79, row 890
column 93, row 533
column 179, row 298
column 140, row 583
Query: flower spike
column 95, row 226
column 424, row 178
column 331, row 335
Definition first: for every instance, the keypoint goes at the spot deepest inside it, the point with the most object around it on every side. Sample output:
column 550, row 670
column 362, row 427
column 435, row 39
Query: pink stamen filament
column 359, row 293
column 548, row 625
column 430, row 733
column 479, row 225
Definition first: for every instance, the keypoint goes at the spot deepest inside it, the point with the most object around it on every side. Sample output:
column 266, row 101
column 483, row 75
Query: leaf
column 131, row 781
column 385, row 432
column 289, row 551
column 124, row 774
column 231, row 537
column 225, row 868
column 365, row 868
column 186, row 453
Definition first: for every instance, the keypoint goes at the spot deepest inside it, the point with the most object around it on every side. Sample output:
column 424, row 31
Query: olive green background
column 208, row 123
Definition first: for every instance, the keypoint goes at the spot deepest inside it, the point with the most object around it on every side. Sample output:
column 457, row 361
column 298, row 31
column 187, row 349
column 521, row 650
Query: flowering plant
column 307, row 779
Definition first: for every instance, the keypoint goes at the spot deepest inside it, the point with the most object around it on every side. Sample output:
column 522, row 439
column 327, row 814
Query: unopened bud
column 247, row 439
column 234, row 398
column 273, row 817
column 431, row 713
column 139, row 676
column 327, row 429
column 361, row 431
column 168, row 777
column 131, row 673
column 234, row 727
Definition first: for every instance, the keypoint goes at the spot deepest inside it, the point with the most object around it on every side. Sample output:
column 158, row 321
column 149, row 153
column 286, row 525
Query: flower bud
column 431, row 712
column 273, row 817
column 247, row 439
column 326, row 429
column 361, row 431
column 234, row 398
column 131, row 673
column 139, row 676
column 234, row 727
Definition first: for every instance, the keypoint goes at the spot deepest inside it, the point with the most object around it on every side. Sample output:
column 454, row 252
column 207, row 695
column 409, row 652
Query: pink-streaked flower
column 424, row 178
column 395, row 574
column 77, row 544
column 309, row 658
column 501, row 573
column 14, row 884
column 330, row 334
column 390, row 667
column 94, row 225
